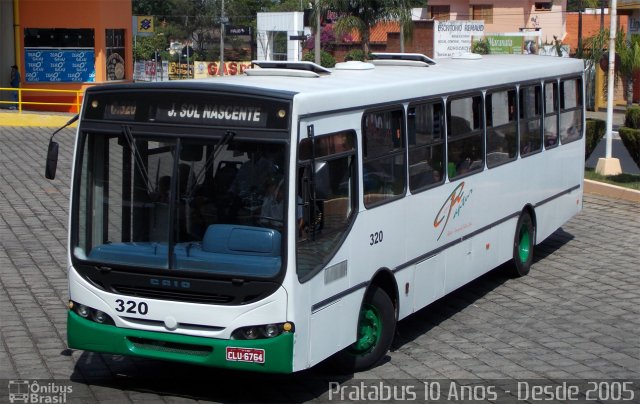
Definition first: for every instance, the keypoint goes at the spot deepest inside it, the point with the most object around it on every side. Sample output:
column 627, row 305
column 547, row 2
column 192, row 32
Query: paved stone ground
column 576, row 316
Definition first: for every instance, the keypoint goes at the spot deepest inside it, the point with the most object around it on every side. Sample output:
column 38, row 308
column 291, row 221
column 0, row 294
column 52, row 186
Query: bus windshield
column 213, row 205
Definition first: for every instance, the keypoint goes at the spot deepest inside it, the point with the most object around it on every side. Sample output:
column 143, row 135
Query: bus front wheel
column 523, row 243
column 376, row 328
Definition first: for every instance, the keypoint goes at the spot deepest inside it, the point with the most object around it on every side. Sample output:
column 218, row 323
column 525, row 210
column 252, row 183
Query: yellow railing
column 19, row 103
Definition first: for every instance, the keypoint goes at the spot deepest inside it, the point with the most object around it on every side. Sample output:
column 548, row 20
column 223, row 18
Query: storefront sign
column 454, row 37
column 232, row 30
column 505, row 45
column 56, row 65
column 209, row 69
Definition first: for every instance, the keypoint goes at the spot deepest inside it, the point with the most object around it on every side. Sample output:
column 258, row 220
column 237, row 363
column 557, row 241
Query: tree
column 362, row 15
column 628, row 50
column 627, row 56
column 148, row 47
column 579, row 6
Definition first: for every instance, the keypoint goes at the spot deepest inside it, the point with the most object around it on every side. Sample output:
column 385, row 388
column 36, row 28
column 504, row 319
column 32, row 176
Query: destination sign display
column 189, row 108
column 213, row 114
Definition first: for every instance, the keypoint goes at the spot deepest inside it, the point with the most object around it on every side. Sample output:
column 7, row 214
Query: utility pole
column 222, row 21
column 316, row 46
column 609, row 165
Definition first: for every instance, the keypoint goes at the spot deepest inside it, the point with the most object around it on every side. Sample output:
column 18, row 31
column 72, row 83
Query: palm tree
column 627, row 56
column 362, row 15
column 628, row 50
column 582, row 4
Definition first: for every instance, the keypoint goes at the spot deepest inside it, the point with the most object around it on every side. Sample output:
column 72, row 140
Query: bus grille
column 172, row 295
column 170, row 347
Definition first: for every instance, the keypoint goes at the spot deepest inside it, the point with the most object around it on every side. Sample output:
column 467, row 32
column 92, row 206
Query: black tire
column 523, row 243
column 376, row 329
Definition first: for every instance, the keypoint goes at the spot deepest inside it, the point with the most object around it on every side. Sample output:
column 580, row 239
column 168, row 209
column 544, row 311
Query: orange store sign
column 209, row 69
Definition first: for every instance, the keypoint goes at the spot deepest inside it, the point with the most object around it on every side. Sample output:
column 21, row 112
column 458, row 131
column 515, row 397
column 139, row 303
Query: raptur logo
column 453, row 204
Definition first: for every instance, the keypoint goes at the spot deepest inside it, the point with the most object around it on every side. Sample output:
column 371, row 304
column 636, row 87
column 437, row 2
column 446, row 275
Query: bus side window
column 570, row 110
column 384, row 158
column 425, row 123
column 502, row 144
column 465, row 143
column 325, row 198
column 530, row 120
column 550, row 115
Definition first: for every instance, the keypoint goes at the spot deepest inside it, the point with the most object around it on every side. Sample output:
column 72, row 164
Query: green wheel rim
column 524, row 246
column 369, row 330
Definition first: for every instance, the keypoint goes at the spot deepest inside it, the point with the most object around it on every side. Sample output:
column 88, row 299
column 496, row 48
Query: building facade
column 66, row 45
column 548, row 17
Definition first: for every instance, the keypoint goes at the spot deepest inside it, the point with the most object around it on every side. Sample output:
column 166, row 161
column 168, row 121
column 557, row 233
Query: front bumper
column 91, row 336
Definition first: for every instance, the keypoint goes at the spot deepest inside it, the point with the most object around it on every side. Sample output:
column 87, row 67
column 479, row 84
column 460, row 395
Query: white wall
column 291, row 23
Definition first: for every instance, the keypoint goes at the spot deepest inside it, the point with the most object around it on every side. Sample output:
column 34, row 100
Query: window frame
column 395, row 153
column 522, row 119
column 482, row 12
column 437, row 12
column 415, row 147
column 543, row 6
column 578, row 107
column 515, row 122
column 481, row 130
column 556, row 113
column 302, row 163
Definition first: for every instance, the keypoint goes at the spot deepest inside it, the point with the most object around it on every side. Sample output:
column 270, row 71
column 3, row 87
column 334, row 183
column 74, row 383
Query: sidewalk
column 33, row 118
column 618, row 116
column 617, row 147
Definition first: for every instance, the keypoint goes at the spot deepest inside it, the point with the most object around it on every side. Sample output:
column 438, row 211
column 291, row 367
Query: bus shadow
column 135, row 375
column 422, row 321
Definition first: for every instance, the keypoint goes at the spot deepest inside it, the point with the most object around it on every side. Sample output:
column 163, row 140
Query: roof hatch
column 401, row 59
column 286, row 68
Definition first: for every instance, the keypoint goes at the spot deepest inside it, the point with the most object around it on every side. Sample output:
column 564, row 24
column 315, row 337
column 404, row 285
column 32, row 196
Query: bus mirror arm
column 52, row 152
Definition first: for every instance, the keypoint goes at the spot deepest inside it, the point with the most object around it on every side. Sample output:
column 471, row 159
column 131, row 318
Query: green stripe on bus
column 90, row 336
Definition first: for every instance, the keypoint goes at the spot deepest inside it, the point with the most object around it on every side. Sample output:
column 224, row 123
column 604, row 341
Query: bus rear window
column 570, row 110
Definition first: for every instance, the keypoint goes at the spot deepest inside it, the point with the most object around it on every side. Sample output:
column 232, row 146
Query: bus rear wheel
column 523, row 243
column 376, row 328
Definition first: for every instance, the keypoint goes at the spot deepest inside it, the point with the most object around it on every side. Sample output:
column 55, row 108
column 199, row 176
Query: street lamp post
column 609, row 165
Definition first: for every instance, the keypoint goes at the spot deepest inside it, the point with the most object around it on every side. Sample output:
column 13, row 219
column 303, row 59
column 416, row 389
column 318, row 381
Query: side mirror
column 52, row 152
column 52, row 161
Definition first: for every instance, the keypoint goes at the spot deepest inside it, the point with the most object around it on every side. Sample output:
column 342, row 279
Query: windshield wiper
column 138, row 158
column 224, row 140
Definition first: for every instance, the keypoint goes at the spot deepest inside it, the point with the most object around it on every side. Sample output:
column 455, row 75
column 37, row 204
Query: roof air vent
column 286, row 68
column 354, row 65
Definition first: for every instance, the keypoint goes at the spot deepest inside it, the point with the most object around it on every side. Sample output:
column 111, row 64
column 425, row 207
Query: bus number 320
column 131, row 307
column 375, row 238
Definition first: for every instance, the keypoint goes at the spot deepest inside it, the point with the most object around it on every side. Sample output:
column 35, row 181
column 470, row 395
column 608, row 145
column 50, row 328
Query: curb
column 23, row 119
column 612, row 191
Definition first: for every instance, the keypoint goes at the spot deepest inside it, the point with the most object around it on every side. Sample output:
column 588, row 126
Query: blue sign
column 59, row 66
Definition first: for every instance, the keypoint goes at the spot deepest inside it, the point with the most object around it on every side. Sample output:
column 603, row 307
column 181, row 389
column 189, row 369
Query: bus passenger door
column 326, row 195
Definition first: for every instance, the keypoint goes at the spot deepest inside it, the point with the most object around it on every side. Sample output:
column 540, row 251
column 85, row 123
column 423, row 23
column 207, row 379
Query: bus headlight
column 262, row 331
column 250, row 332
column 99, row 317
column 90, row 313
column 82, row 310
column 271, row 330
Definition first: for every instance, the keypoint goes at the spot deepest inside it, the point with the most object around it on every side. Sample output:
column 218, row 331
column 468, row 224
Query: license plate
column 245, row 355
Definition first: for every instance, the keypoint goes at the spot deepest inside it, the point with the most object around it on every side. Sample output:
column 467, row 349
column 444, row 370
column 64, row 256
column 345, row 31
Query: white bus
column 270, row 221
